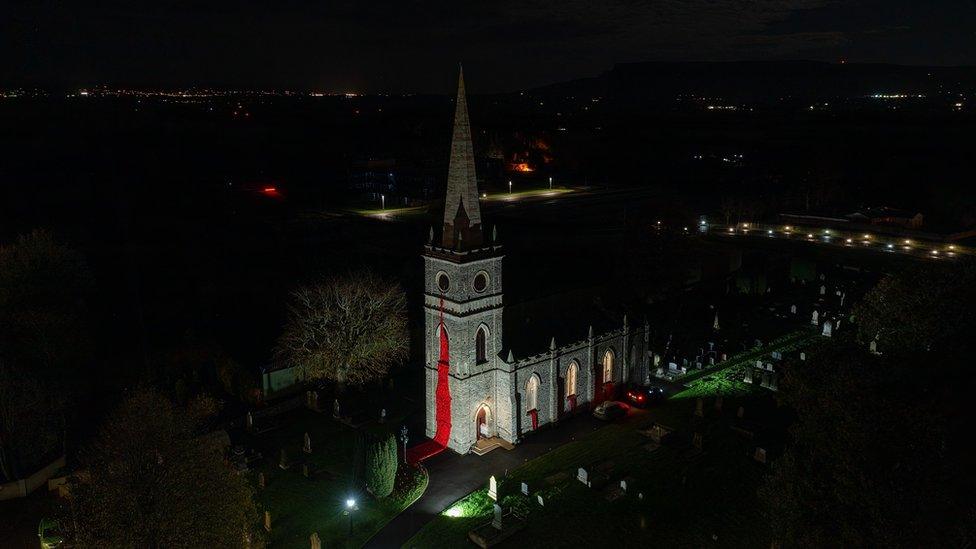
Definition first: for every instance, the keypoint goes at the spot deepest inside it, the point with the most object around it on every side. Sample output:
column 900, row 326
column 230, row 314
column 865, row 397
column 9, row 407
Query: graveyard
column 307, row 491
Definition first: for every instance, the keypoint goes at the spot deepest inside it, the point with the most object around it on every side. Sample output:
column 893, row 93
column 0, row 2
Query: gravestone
column 760, row 455
column 815, row 318
column 823, row 289
column 828, row 328
column 262, row 480
column 696, row 441
column 711, row 361
column 335, row 408
column 382, row 415
column 699, row 408
column 314, row 541
column 803, row 356
column 582, row 476
column 283, row 460
column 538, row 497
column 496, row 520
column 623, row 485
column 250, row 421
column 640, row 496
column 267, row 520
column 759, row 364
column 672, row 366
column 837, row 326
column 793, row 309
column 777, row 355
column 492, row 488
column 718, row 403
column 842, row 296
column 747, row 378
column 740, row 413
column 307, row 444
column 724, row 357
column 306, row 472
column 525, row 489
column 873, row 346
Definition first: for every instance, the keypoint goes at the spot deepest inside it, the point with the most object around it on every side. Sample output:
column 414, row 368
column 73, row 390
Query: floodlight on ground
column 350, row 503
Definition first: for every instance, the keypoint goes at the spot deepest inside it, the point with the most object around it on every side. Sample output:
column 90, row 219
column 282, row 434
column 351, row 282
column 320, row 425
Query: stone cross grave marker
column 582, row 476
column 496, row 520
column 314, row 541
column 493, row 488
column 307, row 444
column 525, row 489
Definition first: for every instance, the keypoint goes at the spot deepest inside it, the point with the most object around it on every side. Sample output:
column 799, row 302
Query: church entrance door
column 482, row 423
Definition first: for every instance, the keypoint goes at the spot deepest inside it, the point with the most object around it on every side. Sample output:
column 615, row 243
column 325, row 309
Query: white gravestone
column 492, row 488
column 582, row 476
column 525, row 489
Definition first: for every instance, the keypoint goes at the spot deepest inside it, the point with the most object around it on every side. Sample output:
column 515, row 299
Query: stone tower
column 463, row 308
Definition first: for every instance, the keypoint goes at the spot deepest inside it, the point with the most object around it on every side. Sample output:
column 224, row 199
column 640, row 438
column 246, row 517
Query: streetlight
column 350, row 507
column 383, row 201
column 404, row 438
column 550, row 182
column 509, row 186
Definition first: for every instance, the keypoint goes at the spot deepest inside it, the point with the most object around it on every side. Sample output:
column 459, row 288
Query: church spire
column 462, row 213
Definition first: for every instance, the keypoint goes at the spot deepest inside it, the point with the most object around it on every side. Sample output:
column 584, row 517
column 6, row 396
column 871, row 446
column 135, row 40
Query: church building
column 479, row 394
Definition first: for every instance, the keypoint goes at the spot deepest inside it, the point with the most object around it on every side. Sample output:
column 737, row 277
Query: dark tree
column 879, row 454
column 381, row 465
column 153, row 482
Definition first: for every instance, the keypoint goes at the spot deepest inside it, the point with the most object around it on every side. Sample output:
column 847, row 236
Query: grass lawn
column 300, row 506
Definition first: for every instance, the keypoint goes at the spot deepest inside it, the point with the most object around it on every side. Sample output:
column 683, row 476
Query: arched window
column 608, row 366
column 481, row 345
column 532, row 393
column 571, row 374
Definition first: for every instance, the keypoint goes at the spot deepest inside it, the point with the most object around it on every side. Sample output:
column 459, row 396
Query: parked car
column 642, row 397
column 609, row 410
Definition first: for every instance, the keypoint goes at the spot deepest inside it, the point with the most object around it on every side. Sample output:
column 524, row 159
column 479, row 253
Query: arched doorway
column 482, row 418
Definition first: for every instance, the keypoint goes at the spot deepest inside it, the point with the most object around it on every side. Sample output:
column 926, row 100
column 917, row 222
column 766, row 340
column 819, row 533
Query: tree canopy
column 879, row 454
column 348, row 329
column 153, row 482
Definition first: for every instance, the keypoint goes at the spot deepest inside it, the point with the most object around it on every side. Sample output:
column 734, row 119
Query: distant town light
column 890, row 246
column 849, row 240
column 731, row 230
column 770, row 231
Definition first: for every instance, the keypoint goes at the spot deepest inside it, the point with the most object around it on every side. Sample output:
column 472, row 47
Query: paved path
column 453, row 476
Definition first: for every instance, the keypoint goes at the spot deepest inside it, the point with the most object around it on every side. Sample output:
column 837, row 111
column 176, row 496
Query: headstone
column 696, row 441
column 538, row 497
column 335, row 408
column 724, row 357
column 823, row 289
column 283, row 460
column 525, row 489
column 582, row 476
column 873, row 346
column 777, row 355
column 828, row 329
column 718, row 403
column 747, row 378
column 306, row 472
column 672, row 366
column 623, row 485
column 496, row 520
column 759, row 364
column 740, row 413
column 640, row 496
column 307, row 444
column 803, row 356
column 267, row 520
column 314, row 541
column 760, row 455
column 250, row 421
column 493, row 488
column 382, row 415
column 842, row 296
column 699, row 408
column 711, row 361
column 793, row 309
column 837, row 326
column 262, row 480
column 815, row 318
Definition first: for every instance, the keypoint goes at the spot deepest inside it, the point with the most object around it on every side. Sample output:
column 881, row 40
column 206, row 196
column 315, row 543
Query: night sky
column 413, row 46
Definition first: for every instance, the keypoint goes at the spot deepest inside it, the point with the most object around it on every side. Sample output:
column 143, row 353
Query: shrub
column 380, row 465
